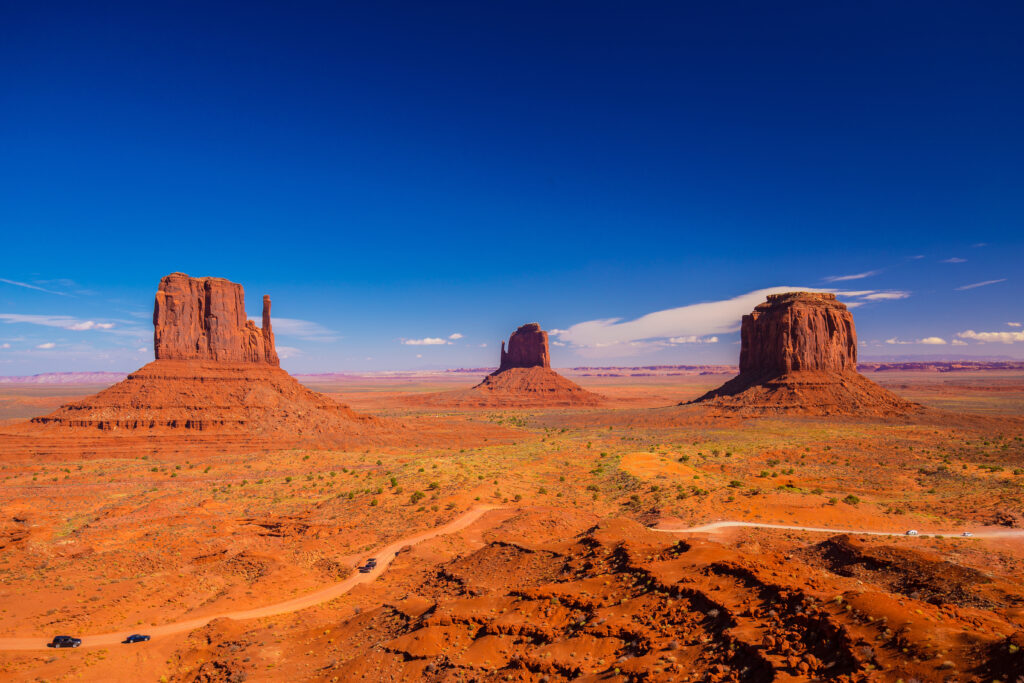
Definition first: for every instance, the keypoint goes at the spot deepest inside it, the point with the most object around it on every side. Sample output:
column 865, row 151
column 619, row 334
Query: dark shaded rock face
column 204, row 319
column 798, row 331
column 527, row 348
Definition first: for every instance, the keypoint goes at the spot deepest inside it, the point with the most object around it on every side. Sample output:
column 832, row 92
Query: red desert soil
column 124, row 531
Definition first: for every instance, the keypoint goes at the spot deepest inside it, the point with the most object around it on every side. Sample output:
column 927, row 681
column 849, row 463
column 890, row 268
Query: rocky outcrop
column 523, row 379
column 798, row 331
column 798, row 354
column 204, row 319
column 527, row 348
column 215, row 372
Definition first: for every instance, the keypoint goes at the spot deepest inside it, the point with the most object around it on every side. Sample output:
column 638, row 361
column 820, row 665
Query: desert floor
column 518, row 544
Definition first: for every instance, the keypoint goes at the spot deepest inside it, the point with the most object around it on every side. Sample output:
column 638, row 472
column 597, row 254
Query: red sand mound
column 621, row 603
column 204, row 396
column 524, row 379
column 799, row 355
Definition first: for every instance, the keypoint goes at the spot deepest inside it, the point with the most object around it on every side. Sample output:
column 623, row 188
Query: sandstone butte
column 215, row 371
column 798, row 354
column 204, row 319
column 524, row 378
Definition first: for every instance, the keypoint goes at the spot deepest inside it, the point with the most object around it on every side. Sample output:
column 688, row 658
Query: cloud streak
column 65, row 322
column 857, row 276
column 1000, row 337
column 426, row 341
column 609, row 337
column 301, row 329
column 28, row 286
column 981, row 284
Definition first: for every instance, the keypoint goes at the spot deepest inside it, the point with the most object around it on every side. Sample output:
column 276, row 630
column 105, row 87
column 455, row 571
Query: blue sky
column 402, row 172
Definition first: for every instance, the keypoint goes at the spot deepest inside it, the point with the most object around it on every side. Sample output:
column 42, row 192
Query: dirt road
column 717, row 526
column 384, row 556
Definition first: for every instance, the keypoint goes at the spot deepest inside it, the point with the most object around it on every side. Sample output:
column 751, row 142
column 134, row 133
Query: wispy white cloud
column 1001, row 337
column 955, row 259
column 29, row 286
column 693, row 339
column 886, row 296
column 610, row 337
column 284, row 352
column 981, row 284
column 1013, row 324
column 857, row 276
column 5, row 346
column 958, row 342
column 455, row 335
column 979, row 244
column 426, row 341
column 47, row 345
column 926, row 340
column 66, row 322
column 300, row 329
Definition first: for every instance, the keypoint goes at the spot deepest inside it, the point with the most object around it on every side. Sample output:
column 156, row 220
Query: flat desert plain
column 636, row 540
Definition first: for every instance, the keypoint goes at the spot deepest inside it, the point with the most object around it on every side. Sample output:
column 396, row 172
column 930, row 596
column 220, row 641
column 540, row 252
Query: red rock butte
column 798, row 354
column 204, row 319
column 524, row 378
column 215, row 371
column 527, row 348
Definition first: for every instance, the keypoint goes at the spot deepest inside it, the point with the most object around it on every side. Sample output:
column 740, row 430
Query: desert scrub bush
column 735, row 484
column 851, row 499
column 416, row 497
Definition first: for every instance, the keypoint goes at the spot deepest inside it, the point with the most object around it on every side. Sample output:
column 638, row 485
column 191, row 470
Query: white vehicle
column 967, row 534
column 912, row 532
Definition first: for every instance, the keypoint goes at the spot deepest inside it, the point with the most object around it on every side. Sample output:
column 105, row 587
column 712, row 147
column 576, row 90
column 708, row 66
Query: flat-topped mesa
column 799, row 356
column 527, row 348
column 204, row 319
column 798, row 331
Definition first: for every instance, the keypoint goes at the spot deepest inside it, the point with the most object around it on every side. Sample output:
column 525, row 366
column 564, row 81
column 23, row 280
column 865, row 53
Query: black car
column 135, row 638
column 372, row 562
column 64, row 641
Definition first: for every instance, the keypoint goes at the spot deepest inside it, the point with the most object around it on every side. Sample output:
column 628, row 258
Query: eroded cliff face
column 798, row 355
column 527, row 348
column 798, row 331
column 204, row 319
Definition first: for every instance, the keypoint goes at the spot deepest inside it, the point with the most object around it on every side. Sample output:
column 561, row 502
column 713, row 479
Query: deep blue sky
column 401, row 171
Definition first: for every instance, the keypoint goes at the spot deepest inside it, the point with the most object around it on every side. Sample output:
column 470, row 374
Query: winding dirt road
column 717, row 526
column 384, row 556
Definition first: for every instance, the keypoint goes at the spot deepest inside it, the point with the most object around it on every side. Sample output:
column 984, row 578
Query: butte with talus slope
column 215, row 372
column 798, row 355
column 524, row 379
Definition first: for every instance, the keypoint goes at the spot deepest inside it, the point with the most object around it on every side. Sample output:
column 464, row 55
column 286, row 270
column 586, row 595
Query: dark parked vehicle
column 135, row 638
column 372, row 562
column 64, row 641
column 368, row 567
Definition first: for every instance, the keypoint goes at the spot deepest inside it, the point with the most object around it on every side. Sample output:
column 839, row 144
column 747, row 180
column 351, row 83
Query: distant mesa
column 524, row 378
column 798, row 354
column 214, row 371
